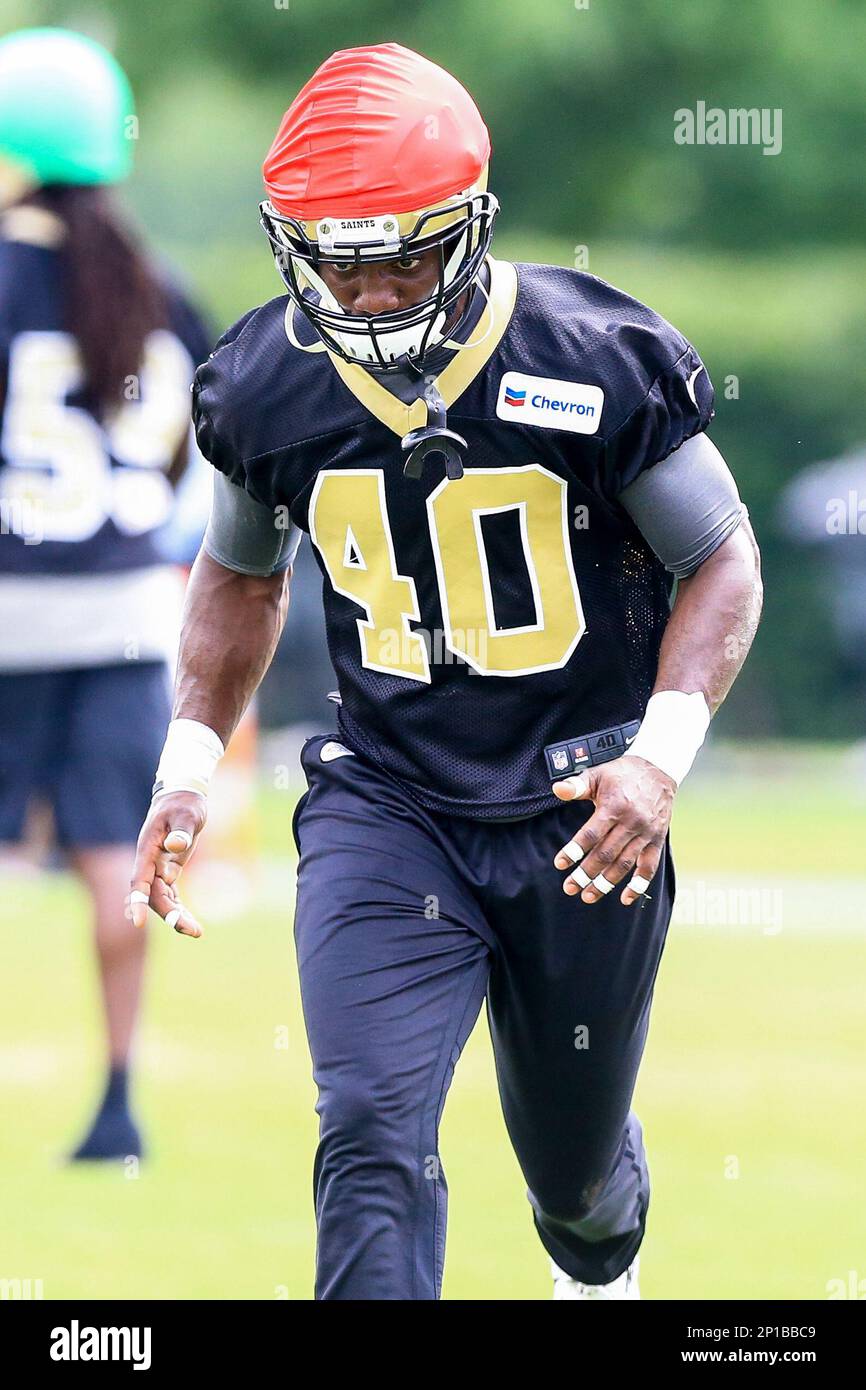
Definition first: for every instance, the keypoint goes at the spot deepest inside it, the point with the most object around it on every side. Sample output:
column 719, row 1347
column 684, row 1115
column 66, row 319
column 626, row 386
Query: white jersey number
column 60, row 475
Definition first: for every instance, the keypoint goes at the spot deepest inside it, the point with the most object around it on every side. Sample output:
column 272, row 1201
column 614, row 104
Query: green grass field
column 750, row 1095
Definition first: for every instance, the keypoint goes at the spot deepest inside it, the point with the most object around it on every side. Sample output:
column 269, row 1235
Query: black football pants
column 406, row 921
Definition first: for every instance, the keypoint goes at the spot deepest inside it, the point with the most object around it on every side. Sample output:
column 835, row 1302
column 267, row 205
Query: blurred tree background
column 758, row 259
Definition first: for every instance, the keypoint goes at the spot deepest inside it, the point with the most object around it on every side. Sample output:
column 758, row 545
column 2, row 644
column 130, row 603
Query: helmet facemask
column 460, row 231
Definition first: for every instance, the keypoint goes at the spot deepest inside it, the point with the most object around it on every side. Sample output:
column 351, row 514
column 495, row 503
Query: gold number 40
column 350, row 527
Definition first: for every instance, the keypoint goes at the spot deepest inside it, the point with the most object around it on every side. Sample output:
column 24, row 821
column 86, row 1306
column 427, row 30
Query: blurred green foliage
column 758, row 259
column 580, row 102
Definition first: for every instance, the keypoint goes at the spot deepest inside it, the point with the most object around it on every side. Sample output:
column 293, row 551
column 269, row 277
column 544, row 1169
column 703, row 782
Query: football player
column 503, row 468
column 97, row 353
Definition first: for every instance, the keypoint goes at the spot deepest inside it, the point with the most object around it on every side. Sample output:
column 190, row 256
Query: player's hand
column 165, row 844
column 625, row 836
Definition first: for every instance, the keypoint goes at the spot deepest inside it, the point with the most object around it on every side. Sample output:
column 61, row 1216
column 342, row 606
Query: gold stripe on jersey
column 460, row 372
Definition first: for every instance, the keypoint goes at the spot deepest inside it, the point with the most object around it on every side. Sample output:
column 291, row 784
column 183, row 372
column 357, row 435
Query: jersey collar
column 460, row 372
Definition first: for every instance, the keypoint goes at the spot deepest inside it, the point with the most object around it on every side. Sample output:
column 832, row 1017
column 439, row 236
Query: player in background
column 502, row 469
column 97, row 352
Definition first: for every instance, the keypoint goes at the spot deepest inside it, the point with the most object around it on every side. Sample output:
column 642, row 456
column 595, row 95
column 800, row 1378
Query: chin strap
column 433, row 438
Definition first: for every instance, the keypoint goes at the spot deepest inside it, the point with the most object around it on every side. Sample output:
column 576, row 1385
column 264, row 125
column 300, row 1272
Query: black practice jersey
column 79, row 495
column 473, row 621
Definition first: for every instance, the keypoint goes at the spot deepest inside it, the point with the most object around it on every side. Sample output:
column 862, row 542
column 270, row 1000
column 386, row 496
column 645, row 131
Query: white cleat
column 624, row 1286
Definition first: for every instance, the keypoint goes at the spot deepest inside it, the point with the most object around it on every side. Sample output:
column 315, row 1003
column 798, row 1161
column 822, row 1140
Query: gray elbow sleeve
column 686, row 506
column 243, row 535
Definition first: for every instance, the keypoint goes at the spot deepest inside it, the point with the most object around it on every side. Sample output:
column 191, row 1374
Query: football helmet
column 65, row 109
column 383, row 155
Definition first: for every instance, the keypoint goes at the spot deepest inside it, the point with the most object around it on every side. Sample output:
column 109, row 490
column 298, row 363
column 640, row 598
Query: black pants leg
column 401, row 917
column 568, row 1002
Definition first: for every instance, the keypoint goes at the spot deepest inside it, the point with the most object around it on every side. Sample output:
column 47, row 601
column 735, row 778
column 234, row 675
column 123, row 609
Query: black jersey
column 79, row 495
column 473, row 621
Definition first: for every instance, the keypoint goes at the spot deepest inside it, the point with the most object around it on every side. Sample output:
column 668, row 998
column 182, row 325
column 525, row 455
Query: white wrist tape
column 189, row 758
column 671, row 732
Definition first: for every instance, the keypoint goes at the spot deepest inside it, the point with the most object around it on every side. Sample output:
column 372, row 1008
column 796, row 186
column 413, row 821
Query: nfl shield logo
column 559, row 758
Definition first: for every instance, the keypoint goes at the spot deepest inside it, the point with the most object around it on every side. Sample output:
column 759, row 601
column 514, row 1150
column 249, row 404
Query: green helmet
column 65, row 108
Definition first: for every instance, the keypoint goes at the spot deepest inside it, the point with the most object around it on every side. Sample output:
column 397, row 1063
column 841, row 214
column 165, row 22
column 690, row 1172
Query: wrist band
column 189, row 758
column 671, row 732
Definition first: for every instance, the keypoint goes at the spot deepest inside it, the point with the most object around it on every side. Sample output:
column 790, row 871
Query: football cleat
column 624, row 1286
column 382, row 156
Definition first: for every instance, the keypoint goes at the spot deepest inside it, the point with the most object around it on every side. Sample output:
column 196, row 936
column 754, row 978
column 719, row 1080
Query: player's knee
column 572, row 1207
column 359, row 1124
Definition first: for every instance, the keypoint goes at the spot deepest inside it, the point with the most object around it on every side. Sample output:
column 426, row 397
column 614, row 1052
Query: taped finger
column 572, row 788
column 601, row 884
column 578, row 880
column 572, row 852
column 137, row 903
column 645, row 870
column 183, row 836
column 182, row 921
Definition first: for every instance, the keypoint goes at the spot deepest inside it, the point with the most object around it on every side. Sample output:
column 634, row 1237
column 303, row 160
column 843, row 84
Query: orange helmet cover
column 375, row 130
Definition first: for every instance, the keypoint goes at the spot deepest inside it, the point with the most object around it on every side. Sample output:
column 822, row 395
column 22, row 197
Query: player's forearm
column 231, row 625
column 714, row 620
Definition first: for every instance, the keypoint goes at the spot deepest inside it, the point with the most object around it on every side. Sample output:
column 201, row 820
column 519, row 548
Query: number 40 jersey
column 473, row 621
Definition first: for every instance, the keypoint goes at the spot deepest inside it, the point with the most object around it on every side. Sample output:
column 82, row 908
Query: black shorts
column 87, row 741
